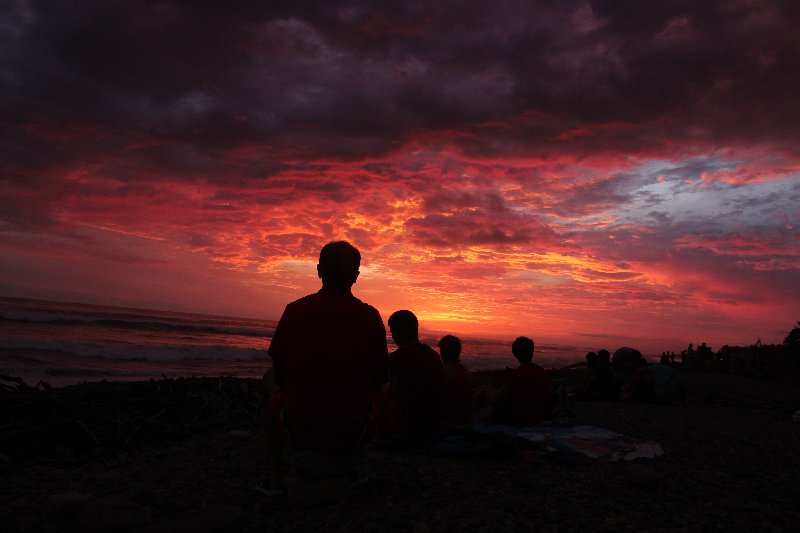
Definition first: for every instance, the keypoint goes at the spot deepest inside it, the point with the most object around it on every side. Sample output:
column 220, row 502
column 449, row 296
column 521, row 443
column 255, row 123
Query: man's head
column 404, row 327
column 522, row 348
column 450, row 348
column 338, row 265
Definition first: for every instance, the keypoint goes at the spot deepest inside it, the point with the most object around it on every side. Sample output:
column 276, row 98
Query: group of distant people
column 334, row 387
column 701, row 357
column 697, row 357
column 628, row 376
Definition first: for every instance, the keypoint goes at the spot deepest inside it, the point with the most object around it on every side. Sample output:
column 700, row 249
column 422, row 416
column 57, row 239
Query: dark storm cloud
column 576, row 153
column 468, row 226
column 449, row 200
column 350, row 79
column 598, row 196
column 471, row 230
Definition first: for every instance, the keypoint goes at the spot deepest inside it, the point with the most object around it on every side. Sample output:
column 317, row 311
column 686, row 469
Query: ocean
column 65, row 343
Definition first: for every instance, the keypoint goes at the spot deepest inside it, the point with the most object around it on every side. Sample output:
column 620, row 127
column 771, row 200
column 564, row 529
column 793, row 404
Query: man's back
column 457, row 397
column 416, row 371
column 330, row 354
column 528, row 389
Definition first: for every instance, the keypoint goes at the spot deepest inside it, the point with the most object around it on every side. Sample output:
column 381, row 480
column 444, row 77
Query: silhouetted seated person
column 624, row 361
column 414, row 403
column 653, row 384
column 605, row 384
column 725, row 358
column 582, row 390
column 599, row 382
column 525, row 397
column 329, row 362
column 704, row 357
column 457, row 397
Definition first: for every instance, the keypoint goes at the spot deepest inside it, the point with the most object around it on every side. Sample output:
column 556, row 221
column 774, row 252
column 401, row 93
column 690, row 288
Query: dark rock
column 101, row 515
column 213, row 519
column 142, row 493
column 105, row 478
column 65, row 503
column 642, row 477
column 306, row 492
column 102, row 453
column 63, row 453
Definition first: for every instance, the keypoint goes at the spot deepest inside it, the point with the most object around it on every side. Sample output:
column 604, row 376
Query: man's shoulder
column 300, row 305
column 455, row 371
column 365, row 312
column 540, row 371
column 529, row 370
column 342, row 307
column 415, row 349
column 345, row 298
column 305, row 299
column 364, row 305
column 417, row 356
column 430, row 351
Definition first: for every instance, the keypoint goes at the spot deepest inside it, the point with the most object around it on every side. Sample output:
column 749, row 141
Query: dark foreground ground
column 183, row 456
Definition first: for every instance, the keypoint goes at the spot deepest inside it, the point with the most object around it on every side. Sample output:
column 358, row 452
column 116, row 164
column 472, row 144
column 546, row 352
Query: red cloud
column 530, row 176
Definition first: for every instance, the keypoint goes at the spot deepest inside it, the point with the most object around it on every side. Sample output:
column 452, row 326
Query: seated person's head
column 603, row 356
column 591, row 359
column 404, row 327
column 624, row 360
column 338, row 264
column 522, row 348
column 450, row 348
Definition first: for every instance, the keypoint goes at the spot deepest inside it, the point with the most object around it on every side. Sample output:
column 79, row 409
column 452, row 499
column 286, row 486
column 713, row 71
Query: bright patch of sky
column 672, row 193
column 535, row 278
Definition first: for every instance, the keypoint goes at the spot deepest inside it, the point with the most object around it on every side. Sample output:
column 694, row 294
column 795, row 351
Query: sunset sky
column 589, row 172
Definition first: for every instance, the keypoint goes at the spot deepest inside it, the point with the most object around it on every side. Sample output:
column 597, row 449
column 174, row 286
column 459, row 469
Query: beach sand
column 183, row 455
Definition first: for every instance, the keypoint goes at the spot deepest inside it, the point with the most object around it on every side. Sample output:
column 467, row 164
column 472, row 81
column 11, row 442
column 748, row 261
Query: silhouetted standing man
column 329, row 358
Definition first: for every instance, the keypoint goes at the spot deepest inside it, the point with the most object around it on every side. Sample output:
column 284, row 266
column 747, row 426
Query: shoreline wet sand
column 184, row 455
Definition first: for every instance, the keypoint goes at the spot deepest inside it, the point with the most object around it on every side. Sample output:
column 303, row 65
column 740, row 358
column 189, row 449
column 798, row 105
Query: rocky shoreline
column 184, row 455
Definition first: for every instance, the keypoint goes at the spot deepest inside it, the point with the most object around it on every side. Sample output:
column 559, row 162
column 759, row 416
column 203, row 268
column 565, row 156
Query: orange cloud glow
column 554, row 175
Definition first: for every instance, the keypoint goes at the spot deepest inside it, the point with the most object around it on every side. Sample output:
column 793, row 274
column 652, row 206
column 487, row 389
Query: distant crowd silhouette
column 334, row 387
column 628, row 376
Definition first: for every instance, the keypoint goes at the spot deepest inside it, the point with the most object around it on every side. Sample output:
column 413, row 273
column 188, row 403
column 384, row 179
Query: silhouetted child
column 525, row 397
column 582, row 390
column 457, row 397
column 416, row 383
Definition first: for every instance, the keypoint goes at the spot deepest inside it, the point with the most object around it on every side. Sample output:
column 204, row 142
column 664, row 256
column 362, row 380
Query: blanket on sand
column 578, row 443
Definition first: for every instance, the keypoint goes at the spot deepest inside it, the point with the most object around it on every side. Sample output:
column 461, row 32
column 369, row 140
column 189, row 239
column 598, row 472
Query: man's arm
column 277, row 348
column 381, row 351
column 500, row 410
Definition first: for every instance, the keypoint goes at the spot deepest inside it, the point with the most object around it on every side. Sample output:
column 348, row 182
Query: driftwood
column 100, row 417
